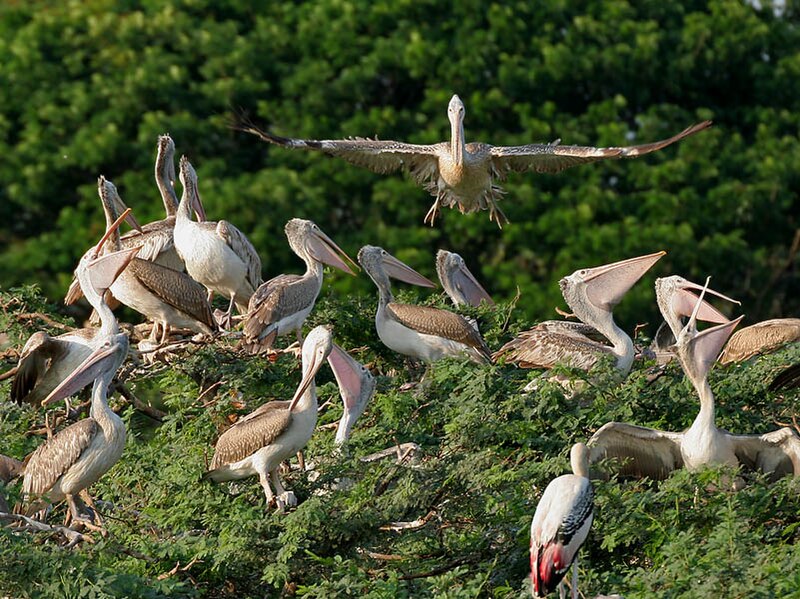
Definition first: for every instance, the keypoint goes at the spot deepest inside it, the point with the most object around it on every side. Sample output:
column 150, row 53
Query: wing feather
column 644, row 451
column 37, row 356
column 776, row 453
column 56, row 455
column 242, row 247
column 256, row 430
column 543, row 348
column 278, row 298
column 760, row 338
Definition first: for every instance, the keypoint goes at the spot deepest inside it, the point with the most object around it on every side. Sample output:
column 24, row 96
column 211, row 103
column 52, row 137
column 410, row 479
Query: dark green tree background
column 85, row 88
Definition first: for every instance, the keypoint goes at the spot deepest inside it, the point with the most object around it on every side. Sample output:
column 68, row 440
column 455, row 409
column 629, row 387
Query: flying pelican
column 160, row 293
column 458, row 281
column 356, row 386
column 656, row 454
column 461, row 174
column 45, row 361
column 217, row 255
column 417, row 331
column 68, row 463
column 275, row 431
column 592, row 294
column 282, row 304
column 560, row 526
column 761, row 338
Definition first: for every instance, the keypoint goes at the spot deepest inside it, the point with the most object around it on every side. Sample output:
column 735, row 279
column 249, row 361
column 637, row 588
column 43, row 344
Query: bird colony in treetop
column 169, row 271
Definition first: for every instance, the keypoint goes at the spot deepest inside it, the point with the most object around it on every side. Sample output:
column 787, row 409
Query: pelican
column 282, row 304
column 9, row 470
column 461, row 174
column 761, row 338
column 217, row 255
column 417, row 331
column 458, row 282
column 656, row 454
column 592, row 293
column 45, row 361
column 275, row 431
column 68, row 463
column 560, row 526
column 356, row 386
column 160, row 293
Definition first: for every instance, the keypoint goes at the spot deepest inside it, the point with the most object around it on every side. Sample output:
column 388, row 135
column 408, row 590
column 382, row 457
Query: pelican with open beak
column 356, row 387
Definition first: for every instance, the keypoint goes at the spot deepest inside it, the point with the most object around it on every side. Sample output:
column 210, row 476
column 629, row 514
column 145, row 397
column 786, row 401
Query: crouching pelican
column 560, row 526
column 421, row 332
column 460, row 174
column 282, row 304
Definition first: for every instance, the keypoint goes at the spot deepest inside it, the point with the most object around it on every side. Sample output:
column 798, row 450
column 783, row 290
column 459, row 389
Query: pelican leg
column 80, row 515
column 562, row 590
column 164, row 333
column 574, row 585
column 87, row 499
column 263, row 478
column 227, row 319
column 285, row 498
column 496, row 214
column 301, row 461
column 153, row 338
column 432, row 212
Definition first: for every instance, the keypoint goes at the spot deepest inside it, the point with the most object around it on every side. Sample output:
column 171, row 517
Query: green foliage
column 487, row 451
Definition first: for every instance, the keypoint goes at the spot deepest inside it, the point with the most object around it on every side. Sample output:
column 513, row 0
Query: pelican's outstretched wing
column 642, row 451
column 775, row 453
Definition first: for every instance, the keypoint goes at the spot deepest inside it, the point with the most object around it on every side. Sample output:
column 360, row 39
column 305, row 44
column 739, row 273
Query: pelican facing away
column 421, row 332
column 592, row 294
column 458, row 282
column 282, row 304
column 655, row 454
column 80, row 454
column 560, row 526
column 463, row 174
column 275, row 431
column 217, row 255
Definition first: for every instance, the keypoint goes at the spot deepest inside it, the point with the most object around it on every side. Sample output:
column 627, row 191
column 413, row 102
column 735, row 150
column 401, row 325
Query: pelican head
column 165, row 171
column 455, row 113
column 188, row 177
column 458, row 281
column 675, row 301
column 597, row 290
column 113, row 203
column 698, row 350
column 308, row 241
column 356, row 386
column 316, row 348
column 380, row 265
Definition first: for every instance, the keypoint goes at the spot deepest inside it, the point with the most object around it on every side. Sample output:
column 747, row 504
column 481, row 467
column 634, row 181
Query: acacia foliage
column 487, row 452
column 86, row 86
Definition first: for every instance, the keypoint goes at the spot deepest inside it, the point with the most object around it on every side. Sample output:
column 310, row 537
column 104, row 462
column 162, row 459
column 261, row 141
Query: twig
column 178, row 568
column 402, row 451
column 73, row 536
column 511, row 307
column 154, row 413
column 440, row 570
column 386, row 557
column 211, row 388
column 413, row 525
column 9, row 373
column 45, row 318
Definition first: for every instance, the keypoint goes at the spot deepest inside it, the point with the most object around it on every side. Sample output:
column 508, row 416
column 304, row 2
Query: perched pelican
column 458, row 281
column 45, row 361
column 275, row 431
column 282, row 304
column 160, row 293
column 9, row 470
column 417, row 331
column 356, row 386
column 655, row 454
column 592, row 294
column 461, row 174
column 761, row 338
column 560, row 526
column 217, row 255
column 80, row 454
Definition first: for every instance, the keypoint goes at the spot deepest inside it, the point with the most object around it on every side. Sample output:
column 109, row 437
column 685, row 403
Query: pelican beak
column 98, row 362
column 683, row 302
column 110, row 195
column 462, row 279
column 356, row 386
column 308, row 379
column 103, row 271
column 402, row 272
column 324, row 249
column 606, row 285
column 197, row 205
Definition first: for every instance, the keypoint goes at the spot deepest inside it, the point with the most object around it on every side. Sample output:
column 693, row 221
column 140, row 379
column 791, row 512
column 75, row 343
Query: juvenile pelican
column 160, row 293
column 275, row 431
column 282, row 304
column 356, row 386
column 421, row 332
column 560, row 526
column 80, row 454
column 655, row 454
column 464, row 174
column 458, row 282
column 217, row 255
column 761, row 338
column 591, row 293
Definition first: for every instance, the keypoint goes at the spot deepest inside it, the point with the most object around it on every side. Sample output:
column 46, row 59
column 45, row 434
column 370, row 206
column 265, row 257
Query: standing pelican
column 282, row 304
column 160, row 293
column 217, row 255
column 417, row 331
column 560, row 526
column 80, row 454
column 460, row 174
column 761, row 338
column 275, row 431
column 458, row 281
column 655, row 454
column 592, row 294
column 356, row 386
